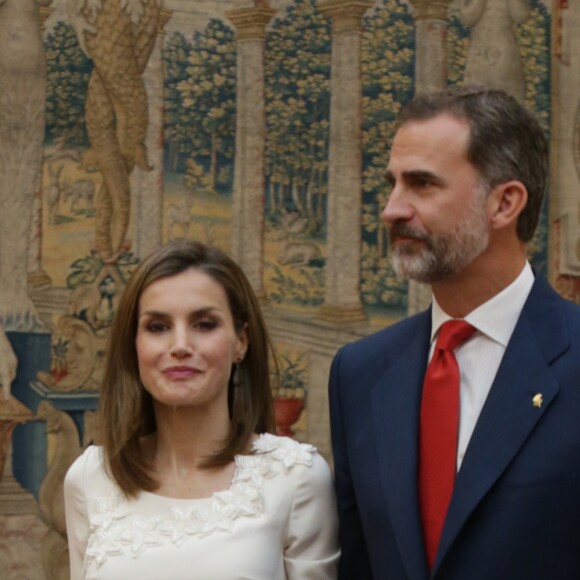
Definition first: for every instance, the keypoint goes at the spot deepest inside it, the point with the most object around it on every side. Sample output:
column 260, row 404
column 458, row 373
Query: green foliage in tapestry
column 176, row 53
column 298, row 50
column 457, row 45
column 533, row 38
column 59, row 349
column 305, row 288
column 297, row 81
column 293, row 375
column 387, row 76
column 297, row 86
column 85, row 270
column 199, row 99
column 67, row 75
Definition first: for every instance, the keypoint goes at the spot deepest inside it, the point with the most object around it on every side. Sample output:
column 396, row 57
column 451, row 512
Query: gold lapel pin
column 537, row 400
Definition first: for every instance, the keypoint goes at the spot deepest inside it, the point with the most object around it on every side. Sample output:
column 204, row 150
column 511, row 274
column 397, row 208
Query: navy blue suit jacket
column 515, row 510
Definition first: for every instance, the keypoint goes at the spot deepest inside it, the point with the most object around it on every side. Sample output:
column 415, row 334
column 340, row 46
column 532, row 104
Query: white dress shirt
column 480, row 357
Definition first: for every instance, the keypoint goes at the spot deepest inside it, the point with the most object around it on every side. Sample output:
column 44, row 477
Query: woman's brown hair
column 126, row 408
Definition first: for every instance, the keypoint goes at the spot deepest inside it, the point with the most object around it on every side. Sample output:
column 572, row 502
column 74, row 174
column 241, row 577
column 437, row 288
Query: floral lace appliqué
column 113, row 532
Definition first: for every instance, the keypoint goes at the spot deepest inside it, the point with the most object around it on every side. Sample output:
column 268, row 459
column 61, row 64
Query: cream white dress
column 277, row 521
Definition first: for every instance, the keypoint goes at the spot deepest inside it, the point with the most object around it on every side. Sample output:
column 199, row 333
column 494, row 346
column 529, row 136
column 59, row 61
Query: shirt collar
column 497, row 317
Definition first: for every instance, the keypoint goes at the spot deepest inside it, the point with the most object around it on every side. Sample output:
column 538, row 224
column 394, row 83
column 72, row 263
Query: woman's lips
column 177, row 373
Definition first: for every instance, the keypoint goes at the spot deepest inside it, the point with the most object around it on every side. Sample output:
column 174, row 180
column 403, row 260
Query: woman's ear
column 506, row 202
column 243, row 340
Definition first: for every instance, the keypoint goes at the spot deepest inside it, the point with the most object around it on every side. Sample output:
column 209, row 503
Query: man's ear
column 506, row 202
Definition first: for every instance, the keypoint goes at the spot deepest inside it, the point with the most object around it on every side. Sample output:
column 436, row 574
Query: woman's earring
column 237, row 378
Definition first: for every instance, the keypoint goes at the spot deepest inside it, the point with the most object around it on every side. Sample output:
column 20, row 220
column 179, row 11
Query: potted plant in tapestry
column 59, row 349
column 290, row 395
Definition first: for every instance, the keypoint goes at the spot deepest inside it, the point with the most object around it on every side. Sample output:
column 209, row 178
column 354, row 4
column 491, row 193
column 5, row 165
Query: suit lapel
column 395, row 403
column 509, row 414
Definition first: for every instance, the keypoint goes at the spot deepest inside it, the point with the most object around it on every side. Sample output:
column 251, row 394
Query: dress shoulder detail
column 281, row 451
column 117, row 527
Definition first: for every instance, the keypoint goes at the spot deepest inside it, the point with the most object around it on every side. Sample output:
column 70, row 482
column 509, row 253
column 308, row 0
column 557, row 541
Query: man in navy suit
column 468, row 170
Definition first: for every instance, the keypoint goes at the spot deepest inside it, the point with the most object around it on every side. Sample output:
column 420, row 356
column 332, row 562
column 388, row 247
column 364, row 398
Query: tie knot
column 453, row 333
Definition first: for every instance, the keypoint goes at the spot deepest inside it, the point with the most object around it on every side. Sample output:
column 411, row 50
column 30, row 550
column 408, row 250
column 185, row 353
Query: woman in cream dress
column 190, row 483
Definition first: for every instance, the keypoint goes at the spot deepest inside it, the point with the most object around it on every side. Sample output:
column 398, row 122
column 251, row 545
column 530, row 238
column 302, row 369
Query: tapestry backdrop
column 262, row 128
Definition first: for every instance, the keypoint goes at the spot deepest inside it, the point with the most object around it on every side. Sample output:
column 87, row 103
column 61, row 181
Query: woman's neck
column 184, row 439
column 186, row 436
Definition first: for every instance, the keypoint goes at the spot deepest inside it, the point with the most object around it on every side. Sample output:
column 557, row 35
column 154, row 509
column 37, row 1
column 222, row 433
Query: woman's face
column 186, row 341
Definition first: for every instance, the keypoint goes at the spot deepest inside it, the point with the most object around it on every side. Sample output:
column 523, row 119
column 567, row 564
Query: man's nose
column 398, row 209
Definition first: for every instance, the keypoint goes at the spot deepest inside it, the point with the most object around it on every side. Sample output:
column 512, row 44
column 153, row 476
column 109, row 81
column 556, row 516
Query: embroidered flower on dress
column 214, row 517
column 102, row 544
column 112, row 534
column 241, row 500
column 107, row 510
column 287, row 451
column 178, row 525
column 140, row 535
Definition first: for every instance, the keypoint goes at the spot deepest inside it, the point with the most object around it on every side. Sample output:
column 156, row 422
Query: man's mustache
column 405, row 231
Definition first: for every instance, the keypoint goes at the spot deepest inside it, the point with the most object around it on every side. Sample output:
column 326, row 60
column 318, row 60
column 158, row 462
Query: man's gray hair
column 506, row 141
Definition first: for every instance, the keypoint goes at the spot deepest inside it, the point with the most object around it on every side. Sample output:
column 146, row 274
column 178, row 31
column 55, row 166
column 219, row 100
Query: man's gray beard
column 440, row 255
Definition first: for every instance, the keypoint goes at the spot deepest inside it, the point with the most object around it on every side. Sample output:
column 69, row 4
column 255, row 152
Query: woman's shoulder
column 87, row 467
column 274, row 454
column 291, row 470
column 287, row 451
column 267, row 441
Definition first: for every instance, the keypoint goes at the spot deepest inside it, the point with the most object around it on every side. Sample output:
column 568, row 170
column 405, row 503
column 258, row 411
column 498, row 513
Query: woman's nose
column 181, row 344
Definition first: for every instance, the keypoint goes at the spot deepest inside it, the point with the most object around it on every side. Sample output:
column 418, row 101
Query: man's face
column 437, row 210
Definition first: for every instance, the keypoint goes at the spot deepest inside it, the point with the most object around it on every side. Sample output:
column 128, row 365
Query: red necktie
column 439, row 432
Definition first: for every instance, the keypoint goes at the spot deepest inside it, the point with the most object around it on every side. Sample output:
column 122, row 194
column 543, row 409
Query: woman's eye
column 156, row 326
column 205, row 324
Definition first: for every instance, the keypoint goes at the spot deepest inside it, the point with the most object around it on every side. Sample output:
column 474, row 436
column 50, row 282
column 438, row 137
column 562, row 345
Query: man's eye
column 390, row 181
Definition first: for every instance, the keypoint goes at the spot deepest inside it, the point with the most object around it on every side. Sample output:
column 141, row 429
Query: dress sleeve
column 77, row 519
column 311, row 551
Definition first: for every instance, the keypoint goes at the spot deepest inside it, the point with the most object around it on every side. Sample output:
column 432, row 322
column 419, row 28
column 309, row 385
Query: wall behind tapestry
column 260, row 127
